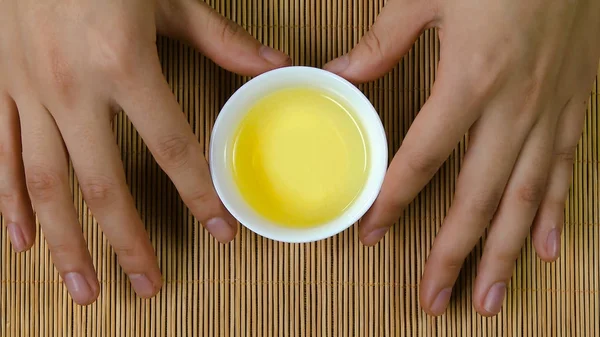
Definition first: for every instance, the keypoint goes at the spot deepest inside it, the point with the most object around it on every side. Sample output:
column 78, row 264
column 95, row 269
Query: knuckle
column 391, row 204
column 7, row 198
column 61, row 76
column 531, row 193
column 60, row 250
column 114, row 58
column 532, row 89
column 173, row 150
column 530, row 99
column 482, row 62
column 508, row 257
column 566, row 155
column 451, row 262
column 228, row 30
column 395, row 206
column 4, row 153
column 486, row 70
column 169, row 15
column 485, row 205
column 374, row 43
column 131, row 254
column 555, row 206
column 201, row 196
column 42, row 183
column 67, row 255
column 423, row 163
column 504, row 260
column 126, row 252
column 99, row 190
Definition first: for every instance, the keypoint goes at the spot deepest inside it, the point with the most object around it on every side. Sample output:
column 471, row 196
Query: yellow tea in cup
column 299, row 157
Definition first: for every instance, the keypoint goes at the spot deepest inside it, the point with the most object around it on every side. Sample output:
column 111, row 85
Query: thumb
column 396, row 29
column 218, row 38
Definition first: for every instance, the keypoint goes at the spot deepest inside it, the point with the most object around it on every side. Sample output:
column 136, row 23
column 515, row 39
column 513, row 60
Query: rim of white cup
column 237, row 107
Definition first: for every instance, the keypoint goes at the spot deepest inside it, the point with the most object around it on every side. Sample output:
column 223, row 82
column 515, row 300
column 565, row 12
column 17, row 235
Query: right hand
column 516, row 76
column 67, row 68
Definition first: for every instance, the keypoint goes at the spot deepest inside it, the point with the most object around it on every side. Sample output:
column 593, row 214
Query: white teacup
column 238, row 106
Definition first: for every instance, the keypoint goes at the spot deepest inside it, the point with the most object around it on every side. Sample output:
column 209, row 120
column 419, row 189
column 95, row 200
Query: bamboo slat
column 337, row 287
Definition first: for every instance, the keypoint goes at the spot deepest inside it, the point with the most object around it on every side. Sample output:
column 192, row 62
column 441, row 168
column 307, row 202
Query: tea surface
column 299, row 157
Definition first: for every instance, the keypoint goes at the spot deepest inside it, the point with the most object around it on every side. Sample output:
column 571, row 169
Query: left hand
column 66, row 67
column 516, row 74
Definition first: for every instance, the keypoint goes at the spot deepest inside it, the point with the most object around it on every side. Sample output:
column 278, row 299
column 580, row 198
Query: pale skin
column 67, row 67
column 515, row 74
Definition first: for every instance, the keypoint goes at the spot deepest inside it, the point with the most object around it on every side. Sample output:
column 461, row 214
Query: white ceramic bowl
column 233, row 113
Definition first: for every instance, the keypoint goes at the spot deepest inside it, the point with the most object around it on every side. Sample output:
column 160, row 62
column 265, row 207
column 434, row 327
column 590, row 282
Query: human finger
column 97, row 163
column 220, row 39
column 15, row 205
column 397, row 27
column 513, row 219
column 47, row 175
column 156, row 114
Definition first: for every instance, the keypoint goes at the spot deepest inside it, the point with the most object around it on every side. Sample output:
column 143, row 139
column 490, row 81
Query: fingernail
column 374, row 237
column 78, row 288
column 274, row 56
column 441, row 301
column 16, row 237
column 495, row 297
column 553, row 243
column 220, row 229
column 338, row 65
column 142, row 285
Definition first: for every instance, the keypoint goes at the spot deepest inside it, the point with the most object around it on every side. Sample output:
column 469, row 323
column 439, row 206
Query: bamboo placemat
column 256, row 287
